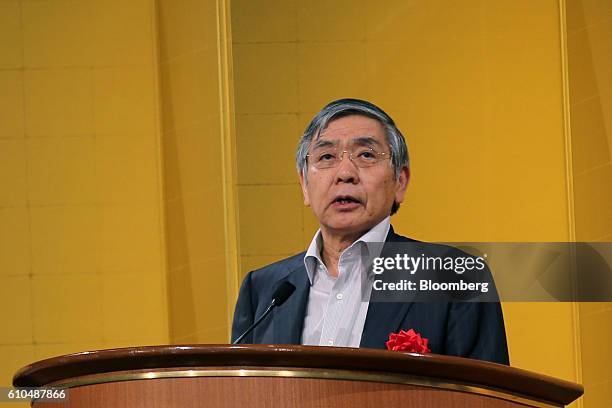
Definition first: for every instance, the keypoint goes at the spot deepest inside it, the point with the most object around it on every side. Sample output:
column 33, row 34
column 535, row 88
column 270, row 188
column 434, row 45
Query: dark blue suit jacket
column 465, row 329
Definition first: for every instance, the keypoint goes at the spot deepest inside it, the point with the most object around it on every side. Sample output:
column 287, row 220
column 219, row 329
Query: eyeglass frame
column 357, row 163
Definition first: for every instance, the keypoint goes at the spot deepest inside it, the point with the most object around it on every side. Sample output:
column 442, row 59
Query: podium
column 287, row 376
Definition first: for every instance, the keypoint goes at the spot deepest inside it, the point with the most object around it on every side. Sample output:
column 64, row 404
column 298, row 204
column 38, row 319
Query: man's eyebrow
column 324, row 143
column 366, row 141
column 358, row 141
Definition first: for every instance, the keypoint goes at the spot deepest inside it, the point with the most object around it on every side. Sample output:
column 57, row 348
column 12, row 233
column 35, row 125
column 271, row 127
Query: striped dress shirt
column 337, row 306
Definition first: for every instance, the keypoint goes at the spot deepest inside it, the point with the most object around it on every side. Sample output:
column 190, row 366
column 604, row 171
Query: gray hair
column 345, row 107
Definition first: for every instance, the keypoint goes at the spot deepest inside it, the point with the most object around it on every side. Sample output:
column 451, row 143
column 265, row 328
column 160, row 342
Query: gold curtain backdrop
column 146, row 155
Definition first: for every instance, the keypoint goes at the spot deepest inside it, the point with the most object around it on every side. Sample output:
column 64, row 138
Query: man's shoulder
column 431, row 248
column 393, row 236
column 279, row 268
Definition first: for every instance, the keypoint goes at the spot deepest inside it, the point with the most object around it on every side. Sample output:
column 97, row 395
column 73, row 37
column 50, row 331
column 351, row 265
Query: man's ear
column 304, row 190
column 402, row 184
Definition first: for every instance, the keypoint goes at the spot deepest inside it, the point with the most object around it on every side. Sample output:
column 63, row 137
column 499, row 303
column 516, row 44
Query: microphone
column 281, row 294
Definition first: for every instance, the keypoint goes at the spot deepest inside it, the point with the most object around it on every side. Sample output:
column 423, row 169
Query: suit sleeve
column 476, row 330
column 244, row 311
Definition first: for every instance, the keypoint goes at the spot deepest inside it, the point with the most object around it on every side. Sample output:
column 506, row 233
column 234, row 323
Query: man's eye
column 367, row 155
column 326, row 157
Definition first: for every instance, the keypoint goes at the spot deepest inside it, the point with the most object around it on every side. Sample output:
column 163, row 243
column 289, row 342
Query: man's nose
column 347, row 171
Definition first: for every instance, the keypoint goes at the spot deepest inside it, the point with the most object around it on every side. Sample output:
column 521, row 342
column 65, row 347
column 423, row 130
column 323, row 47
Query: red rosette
column 409, row 341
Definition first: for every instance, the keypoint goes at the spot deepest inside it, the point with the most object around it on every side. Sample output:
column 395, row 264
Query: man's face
column 347, row 199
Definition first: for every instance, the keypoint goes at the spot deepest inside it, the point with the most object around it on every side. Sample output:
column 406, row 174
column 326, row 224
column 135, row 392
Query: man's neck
column 333, row 246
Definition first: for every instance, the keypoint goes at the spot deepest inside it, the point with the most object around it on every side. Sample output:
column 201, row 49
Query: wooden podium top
column 384, row 364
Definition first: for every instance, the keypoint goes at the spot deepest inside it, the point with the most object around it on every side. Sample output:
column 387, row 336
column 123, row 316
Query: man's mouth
column 345, row 201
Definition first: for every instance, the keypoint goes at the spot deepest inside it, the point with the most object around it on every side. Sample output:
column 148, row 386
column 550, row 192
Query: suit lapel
column 288, row 319
column 384, row 318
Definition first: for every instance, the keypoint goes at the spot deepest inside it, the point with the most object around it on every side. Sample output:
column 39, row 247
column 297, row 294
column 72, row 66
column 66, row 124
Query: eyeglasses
column 361, row 156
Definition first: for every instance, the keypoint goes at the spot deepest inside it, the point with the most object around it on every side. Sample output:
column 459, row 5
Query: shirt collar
column 376, row 235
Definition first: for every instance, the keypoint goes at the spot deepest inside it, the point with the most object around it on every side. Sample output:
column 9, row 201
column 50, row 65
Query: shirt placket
column 338, row 321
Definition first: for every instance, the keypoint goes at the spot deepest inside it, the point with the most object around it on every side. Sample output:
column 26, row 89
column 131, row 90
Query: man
column 353, row 168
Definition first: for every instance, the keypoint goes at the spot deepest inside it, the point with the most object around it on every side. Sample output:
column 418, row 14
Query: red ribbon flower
column 410, row 341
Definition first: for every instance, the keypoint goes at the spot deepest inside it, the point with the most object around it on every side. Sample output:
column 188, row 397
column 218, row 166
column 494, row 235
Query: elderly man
column 353, row 168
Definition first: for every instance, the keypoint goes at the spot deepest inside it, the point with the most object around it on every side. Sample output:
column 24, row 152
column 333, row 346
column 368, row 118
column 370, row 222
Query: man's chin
column 348, row 225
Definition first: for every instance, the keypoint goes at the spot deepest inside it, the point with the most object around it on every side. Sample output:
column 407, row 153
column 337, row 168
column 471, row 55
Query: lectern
column 287, row 376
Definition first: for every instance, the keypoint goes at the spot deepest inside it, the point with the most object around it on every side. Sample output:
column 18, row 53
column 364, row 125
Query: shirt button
column 330, row 342
column 339, row 296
